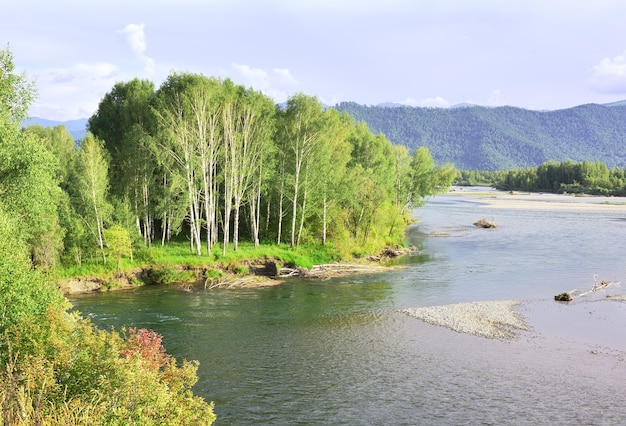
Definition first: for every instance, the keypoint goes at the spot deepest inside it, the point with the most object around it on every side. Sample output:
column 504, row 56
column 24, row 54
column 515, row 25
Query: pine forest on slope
column 502, row 138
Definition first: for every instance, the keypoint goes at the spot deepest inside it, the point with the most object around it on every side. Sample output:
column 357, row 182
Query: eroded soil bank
column 259, row 273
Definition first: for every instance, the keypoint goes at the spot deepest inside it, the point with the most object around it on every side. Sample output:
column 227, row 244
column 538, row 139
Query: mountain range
column 476, row 137
column 77, row 128
column 499, row 138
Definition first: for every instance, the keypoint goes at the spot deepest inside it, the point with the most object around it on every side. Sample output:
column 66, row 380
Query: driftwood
column 597, row 285
column 331, row 269
column 243, row 281
column 265, row 274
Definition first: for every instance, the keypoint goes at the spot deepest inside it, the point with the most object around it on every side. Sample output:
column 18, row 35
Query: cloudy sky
column 535, row 54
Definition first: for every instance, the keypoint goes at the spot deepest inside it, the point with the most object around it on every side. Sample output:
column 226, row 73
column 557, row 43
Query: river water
column 339, row 352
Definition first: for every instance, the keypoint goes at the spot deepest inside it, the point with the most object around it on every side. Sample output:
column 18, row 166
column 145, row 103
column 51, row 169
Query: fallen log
column 597, row 285
column 331, row 270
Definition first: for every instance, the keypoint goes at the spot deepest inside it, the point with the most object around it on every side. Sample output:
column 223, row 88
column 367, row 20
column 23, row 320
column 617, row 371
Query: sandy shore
column 492, row 319
column 540, row 201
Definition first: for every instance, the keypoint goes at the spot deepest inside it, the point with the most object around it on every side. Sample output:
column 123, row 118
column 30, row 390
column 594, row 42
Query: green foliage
column 242, row 270
column 16, row 92
column 23, row 291
column 65, row 371
column 477, row 178
column 29, row 190
column 55, row 367
column 589, row 177
column 221, row 161
column 170, row 274
column 482, row 138
column 119, row 243
column 213, row 274
column 89, row 189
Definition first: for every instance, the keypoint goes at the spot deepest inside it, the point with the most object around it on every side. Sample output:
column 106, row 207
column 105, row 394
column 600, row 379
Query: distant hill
column 488, row 138
column 77, row 128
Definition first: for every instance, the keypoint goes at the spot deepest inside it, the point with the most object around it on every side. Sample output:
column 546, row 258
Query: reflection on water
column 338, row 352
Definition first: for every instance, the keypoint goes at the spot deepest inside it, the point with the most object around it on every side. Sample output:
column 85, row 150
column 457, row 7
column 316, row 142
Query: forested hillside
column 502, row 138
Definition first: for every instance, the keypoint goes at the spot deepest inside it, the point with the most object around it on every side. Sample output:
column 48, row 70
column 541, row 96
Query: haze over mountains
column 77, row 128
column 485, row 138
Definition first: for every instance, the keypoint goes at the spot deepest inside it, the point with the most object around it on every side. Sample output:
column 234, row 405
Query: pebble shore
column 492, row 319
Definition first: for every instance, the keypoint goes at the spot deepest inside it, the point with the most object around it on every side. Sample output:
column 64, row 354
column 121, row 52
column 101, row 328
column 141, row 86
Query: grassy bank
column 178, row 253
column 174, row 262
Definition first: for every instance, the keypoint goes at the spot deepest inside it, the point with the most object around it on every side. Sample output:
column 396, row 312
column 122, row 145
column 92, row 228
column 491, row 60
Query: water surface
column 338, row 352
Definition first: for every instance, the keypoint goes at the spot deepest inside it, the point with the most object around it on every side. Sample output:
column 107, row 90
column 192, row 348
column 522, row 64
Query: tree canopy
column 217, row 162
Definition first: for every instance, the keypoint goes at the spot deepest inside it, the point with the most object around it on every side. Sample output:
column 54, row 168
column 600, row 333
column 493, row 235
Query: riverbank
column 538, row 200
column 250, row 273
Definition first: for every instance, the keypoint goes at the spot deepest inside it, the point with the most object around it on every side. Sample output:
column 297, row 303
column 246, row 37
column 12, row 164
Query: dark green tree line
column 589, row 177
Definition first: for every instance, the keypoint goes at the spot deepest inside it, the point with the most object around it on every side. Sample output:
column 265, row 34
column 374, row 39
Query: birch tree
column 231, row 134
column 203, row 98
column 175, row 140
column 372, row 175
column 300, row 129
column 90, row 184
column 123, row 121
column 426, row 179
column 255, row 112
column 334, row 156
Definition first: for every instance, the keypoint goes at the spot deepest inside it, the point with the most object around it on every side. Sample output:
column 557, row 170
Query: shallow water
column 339, row 352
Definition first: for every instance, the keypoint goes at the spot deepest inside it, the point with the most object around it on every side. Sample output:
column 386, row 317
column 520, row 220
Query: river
column 339, row 351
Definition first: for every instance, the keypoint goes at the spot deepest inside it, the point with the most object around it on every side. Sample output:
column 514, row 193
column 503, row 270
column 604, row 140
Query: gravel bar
column 492, row 319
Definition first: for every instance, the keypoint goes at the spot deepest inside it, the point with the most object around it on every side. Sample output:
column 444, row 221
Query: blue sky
column 535, row 54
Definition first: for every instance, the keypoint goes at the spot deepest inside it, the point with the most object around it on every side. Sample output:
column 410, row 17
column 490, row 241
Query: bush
column 23, row 291
column 211, row 274
column 168, row 275
column 56, row 368
column 69, row 372
column 242, row 270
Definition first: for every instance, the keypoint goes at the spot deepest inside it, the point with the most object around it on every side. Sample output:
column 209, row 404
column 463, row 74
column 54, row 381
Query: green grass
column 178, row 253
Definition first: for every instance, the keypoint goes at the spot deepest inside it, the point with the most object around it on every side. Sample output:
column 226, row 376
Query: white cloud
column 436, row 102
column 284, row 76
column 73, row 92
column 136, row 38
column 278, row 84
column 255, row 77
column 609, row 75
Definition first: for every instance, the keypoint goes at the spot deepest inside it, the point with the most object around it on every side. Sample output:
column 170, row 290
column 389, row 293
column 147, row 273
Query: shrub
column 168, row 275
column 56, row 368
column 211, row 274
column 23, row 291
column 242, row 270
column 69, row 372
